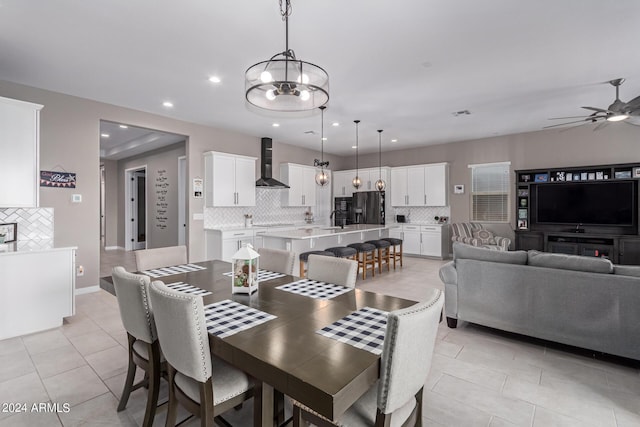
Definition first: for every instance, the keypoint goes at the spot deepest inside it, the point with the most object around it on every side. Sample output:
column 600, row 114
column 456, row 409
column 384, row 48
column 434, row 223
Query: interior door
column 182, row 200
column 139, row 210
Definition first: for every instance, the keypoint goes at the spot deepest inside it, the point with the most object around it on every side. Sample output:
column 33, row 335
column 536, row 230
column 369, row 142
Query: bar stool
column 365, row 257
column 396, row 244
column 383, row 253
column 344, row 252
column 304, row 257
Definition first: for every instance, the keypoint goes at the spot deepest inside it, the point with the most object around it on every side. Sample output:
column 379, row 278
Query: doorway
column 182, row 203
column 136, row 208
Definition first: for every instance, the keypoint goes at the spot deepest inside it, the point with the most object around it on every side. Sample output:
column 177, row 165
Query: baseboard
column 87, row 290
column 113, row 248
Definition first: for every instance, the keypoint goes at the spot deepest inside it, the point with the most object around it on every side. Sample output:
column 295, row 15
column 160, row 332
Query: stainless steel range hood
column 266, row 167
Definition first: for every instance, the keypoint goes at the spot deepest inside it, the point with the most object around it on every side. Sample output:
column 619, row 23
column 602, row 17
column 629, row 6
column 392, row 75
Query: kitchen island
column 319, row 238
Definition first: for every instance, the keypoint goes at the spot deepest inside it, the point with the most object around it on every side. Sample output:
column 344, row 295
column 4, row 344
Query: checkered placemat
column 314, row 289
column 263, row 275
column 176, row 269
column 227, row 317
column 363, row 329
column 188, row 289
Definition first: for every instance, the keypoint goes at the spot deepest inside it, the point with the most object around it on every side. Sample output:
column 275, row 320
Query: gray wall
column 166, row 160
column 70, row 137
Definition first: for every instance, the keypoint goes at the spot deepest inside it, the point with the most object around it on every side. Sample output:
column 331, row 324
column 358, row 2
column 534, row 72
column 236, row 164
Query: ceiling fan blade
column 634, row 103
column 599, row 110
column 570, row 117
column 563, row 124
column 601, row 125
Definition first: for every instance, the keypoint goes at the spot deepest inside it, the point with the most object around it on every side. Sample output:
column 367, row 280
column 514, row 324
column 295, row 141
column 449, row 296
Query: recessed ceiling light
column 354, row 147
column 124, row 127
column 214, row 79
column 167, row 104
column 324, row 139
column 276, row 125
column 335, row 124
column 105, row 135
column 394, row 140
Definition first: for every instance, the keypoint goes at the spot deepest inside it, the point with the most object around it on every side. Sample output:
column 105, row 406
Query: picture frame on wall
column 522, row 224
column 8, row 232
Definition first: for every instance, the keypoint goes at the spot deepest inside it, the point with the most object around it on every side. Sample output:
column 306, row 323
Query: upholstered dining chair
column 339, row 271
column 132, row 292
column 277, row 260
column 147, row 259
column 204, row 385
column 396, row 399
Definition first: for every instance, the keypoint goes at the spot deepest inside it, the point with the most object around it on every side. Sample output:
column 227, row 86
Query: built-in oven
column 342, row 208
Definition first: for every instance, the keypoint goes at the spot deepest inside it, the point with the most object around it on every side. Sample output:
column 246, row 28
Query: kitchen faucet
column 344, row 220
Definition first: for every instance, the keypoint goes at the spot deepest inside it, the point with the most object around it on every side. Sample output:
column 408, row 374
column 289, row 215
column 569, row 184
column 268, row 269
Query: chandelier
column 285, row 83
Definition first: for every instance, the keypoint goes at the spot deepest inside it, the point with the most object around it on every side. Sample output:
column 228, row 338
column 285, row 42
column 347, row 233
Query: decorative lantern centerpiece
column 244, row 279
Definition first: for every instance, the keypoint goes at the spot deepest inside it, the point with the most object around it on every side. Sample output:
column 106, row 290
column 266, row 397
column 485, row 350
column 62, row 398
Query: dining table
column 286, row 355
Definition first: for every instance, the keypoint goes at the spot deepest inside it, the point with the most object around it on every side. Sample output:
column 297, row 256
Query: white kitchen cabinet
column 342, row 184
column 301, row 180
column 420, row 185
column 223, row 245
column 229, row 180
column 19, row 145
column 38, row 290
column 423, row 240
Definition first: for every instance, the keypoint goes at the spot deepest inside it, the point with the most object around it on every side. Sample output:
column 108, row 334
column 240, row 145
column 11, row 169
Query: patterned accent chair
column 473, row 233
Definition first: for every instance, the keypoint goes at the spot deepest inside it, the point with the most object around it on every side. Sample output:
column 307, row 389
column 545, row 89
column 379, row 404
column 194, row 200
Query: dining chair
column 147, row 259
column 339, row 271
column 277, row 260
column 396, row 398
column 132, row 292
column 204, row 385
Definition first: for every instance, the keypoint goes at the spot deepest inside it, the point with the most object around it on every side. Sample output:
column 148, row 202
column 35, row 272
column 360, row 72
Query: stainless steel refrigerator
column 367, row 207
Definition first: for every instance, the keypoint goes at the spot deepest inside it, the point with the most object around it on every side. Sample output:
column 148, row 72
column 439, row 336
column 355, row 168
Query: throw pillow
column 462, row 251
column 485, row 237
column 570, row 262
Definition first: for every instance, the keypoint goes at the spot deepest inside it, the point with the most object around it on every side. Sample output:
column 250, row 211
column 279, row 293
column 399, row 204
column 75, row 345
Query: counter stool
column 383, row 253
column 366, row 257
column 396, row 249
column 304, row 257
column 344, row 252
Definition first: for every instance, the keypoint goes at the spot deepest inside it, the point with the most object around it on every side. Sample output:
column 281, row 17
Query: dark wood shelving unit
column 620, row 244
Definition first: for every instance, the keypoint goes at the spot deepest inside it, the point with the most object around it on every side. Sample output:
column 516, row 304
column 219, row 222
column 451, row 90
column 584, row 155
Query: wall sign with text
column 57, row 179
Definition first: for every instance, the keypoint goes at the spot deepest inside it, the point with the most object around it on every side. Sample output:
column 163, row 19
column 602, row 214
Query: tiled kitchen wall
column 268, row 210
column 35, row 226
column 420, row 215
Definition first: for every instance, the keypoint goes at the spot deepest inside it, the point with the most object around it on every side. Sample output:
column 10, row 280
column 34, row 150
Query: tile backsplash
column 420, row 214
column 35, row 226
column 268, row 210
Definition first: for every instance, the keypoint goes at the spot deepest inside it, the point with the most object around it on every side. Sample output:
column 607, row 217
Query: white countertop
column 315, row 232
column 14, row 249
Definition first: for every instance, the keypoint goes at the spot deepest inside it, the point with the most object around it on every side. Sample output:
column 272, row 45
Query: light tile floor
column 479, row 377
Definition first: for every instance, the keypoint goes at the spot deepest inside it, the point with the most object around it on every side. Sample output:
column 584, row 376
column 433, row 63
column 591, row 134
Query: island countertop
column 315, row 232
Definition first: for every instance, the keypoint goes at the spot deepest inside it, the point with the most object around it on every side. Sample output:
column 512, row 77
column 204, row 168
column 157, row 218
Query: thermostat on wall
column 76, row 198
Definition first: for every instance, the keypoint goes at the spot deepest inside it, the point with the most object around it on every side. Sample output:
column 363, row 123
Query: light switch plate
column 76, row 198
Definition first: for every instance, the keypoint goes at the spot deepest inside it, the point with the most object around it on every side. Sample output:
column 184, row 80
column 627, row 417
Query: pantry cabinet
column 229, row 180
column 19, row 148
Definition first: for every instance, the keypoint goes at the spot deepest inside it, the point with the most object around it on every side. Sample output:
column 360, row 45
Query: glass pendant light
column 322, row 177
column 380, row 184
column 356, row 179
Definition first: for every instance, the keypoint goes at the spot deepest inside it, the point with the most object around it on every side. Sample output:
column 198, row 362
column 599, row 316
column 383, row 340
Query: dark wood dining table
column 286, row 355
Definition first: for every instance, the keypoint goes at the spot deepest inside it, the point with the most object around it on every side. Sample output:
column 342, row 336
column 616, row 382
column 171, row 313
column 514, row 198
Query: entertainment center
column 590, row 210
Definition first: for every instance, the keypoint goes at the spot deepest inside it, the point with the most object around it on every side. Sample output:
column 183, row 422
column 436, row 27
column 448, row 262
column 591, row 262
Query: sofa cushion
column 462, row 251
column 570, row 262
column 627, row 270
column 485, row 237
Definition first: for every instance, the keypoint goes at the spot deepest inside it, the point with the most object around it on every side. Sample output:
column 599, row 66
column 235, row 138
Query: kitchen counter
column 317, row 232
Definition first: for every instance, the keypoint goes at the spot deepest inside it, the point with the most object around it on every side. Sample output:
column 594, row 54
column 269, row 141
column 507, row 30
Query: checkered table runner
column 263, row 275
column 176, row 269
column 314, row 289
column 227, row 317
column 188, row 289
column 362, row 329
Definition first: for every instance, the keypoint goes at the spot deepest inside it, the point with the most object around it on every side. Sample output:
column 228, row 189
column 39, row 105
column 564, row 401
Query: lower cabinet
column 629, row 251
column 424, row 240
column 224, row 244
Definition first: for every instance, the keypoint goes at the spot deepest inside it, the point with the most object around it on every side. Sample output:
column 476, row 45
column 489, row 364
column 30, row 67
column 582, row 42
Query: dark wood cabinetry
column 629, row 251
column 529, row 240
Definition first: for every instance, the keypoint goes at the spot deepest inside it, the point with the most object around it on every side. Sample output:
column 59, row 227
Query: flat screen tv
column 589, row 203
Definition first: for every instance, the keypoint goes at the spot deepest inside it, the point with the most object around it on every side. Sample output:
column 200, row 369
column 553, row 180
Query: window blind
column 490, row 192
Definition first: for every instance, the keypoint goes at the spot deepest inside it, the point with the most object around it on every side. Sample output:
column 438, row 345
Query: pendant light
column 380, row 184
column 356, row 180
column 322, row 177
column 285, row 83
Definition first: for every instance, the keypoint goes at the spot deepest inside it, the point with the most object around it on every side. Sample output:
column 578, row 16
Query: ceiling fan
column 617, row 111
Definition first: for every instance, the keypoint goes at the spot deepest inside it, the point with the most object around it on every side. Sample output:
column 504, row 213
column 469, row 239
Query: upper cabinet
column 230, row 180
column 420, row 185
column 19, row 144
column 342, row 184
column 301, row 180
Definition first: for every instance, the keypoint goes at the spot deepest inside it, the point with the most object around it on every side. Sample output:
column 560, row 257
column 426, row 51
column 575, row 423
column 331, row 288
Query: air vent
column 461, row 113
column 310, row 132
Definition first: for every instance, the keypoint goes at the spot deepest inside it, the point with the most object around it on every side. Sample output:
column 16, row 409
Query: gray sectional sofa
column 580, row 301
